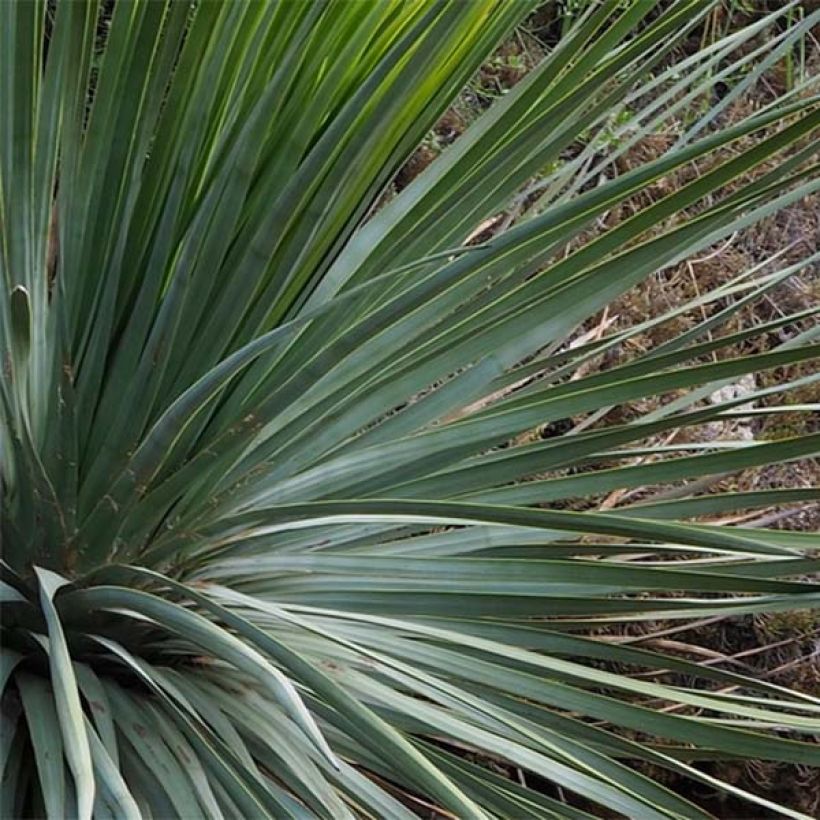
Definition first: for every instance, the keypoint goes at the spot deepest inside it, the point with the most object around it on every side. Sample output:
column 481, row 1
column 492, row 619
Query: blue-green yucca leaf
column 66, row 695
column 276, row 530
column 41, row 717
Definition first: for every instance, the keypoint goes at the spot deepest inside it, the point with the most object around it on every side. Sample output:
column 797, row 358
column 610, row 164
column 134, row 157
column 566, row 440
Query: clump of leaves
column 267, row 547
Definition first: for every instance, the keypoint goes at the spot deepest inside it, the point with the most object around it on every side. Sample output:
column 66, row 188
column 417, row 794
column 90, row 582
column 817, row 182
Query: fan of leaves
column 273, row 543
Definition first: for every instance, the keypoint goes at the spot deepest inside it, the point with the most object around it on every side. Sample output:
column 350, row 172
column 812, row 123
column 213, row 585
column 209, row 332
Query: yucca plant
column 274, row 541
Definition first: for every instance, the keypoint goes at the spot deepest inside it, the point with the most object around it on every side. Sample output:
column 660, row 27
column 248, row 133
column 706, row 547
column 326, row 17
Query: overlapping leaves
column 267, row 548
